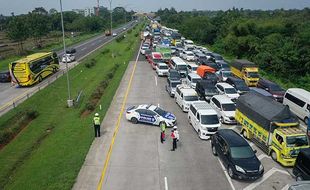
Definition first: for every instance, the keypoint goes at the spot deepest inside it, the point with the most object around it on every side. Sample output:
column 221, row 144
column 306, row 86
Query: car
column 236, row 154
column 223, row 65
column 228, row 90
column 191, row 68
column 261, row 91
column 300, row 185
column 301, row 168
column 114, row 34
column 273, row 88
column 238, row 84
column 174, row 75
column 225, row 108
column 68, row 58
column 155, row 58
column 188, row 45
column 179, row 65
column 184, row 96
column 162, row 69
column 150, row 114
column 222, row 75
column 171, row 86
column 144, row 47
column 5, row 76
column 71, row 51
column 200, row 58
column 192, row 79
column 217, row 57
column 188, row 55
column 206, row 89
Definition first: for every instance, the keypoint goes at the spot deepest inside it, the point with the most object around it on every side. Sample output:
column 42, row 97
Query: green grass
column 49, row 152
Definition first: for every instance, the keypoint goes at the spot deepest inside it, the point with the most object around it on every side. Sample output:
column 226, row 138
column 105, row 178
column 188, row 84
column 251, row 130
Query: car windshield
column 242, row 86
column 194, row 68
column 225, row 66
column 164, row 67
column 230, row 91
column 190, row 54
column 195, row 80
column 209, row 119
column 275, row 88
column 229, row 107
column 253, row 75
column 240, row 152
column 295, row 141
column 191, row 98
column 226, row 74
column 157, row 60
column 174, row 84
column 182, row 67
column 218, row 57
column 160, row 111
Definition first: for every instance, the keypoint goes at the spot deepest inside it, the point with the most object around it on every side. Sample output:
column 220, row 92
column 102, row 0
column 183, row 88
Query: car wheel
column 306, row 120
column 299, row 178
column 231, row 172
column 213, row 150
column 244, row 134
column 134, row 120
column 274, row 155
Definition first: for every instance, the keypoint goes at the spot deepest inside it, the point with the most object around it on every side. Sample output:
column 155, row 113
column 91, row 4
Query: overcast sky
column 20, row 6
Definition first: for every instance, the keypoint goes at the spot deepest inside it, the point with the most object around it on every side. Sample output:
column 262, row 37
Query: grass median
column 48, row 153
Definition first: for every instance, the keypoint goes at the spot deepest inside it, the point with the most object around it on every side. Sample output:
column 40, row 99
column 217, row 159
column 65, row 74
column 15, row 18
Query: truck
column 108, row 33
column 176, row 38
column 245, row 70
column 272, row 126
column 165, row 52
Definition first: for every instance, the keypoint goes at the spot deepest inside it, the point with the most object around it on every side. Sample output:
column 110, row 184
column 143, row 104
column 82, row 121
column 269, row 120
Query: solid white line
column 166, row 184
column 227, row 176
column 261, row 156
column 286, row 187
column 155, row 80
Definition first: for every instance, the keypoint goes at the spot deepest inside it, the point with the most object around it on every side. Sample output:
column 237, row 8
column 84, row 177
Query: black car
column 174, row 75
column 211, row 64
column 200, row 58
column 223, row 65
column 236, row 155
column 211, row 77
column 302, row 165
column 71, row 51
column 217, row 57
column 206, row 89
column 5, row 76
column 273, row 88
column 238, row 84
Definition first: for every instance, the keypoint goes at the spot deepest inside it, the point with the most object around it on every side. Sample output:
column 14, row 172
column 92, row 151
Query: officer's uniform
column 97, row 126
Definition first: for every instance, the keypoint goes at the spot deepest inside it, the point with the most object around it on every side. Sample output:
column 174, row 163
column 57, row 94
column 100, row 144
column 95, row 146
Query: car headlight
column 261, row 167
column 239, row 169
column 275, row 96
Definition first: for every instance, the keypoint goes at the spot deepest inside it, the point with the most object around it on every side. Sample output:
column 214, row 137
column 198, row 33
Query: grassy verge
column 48, row 153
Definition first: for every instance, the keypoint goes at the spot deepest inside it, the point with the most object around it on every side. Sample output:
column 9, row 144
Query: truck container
column 245, row 70
column 272, row 126
column 165, row 52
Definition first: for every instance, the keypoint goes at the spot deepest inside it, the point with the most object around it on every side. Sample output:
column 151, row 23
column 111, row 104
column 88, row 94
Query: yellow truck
column 245, row 70
column 272, row 126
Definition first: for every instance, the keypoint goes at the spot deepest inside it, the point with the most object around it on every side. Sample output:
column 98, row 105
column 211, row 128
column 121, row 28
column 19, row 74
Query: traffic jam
column 254, row 126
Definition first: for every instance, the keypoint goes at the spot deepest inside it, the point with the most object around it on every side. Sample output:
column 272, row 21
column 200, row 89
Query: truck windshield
column 253, row 75
column 229, row 107
column 295, row 141
column 241, row 152
column 209, row 119
column 191, row 98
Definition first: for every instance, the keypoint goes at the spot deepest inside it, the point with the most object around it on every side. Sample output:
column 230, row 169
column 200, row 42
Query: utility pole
column 110, row 1
column 97, row 12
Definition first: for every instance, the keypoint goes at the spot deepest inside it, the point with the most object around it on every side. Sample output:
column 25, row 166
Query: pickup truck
column 245, row 70
column 272, row 126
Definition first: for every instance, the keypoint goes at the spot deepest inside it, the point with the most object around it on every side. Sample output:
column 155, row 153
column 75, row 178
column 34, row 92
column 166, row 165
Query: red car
column 155, row 58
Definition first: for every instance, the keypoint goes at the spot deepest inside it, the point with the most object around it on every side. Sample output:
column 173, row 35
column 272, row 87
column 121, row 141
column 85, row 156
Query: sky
column 21, row 7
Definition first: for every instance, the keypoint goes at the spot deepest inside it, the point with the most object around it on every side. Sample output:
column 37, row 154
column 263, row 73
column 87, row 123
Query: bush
column 120, row 38
column 105, row 51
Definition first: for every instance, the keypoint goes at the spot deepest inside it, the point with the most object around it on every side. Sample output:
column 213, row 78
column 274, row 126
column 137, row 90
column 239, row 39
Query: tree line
column 278, row 41
column 39, row 23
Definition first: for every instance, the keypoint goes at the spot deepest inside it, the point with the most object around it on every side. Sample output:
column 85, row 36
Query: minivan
column 179, row 65
column 184, row 96
column 301, row 169
column 236, row 155
column 204, row 119
column 238, row 84
column 192, row 79
column 298, row 101
column 225, row 108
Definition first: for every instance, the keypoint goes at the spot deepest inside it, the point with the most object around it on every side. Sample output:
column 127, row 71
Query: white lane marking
column 261, row 156
column 264, row 178
column 166, row 183
column 158, row 105
column 227, row 176
column 155, row 80
column 286, row 187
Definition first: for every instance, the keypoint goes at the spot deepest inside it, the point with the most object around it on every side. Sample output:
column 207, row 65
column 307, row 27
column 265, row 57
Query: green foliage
column 17, row 30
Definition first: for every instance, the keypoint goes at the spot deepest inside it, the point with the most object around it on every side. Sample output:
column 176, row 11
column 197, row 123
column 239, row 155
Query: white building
column 89, row 11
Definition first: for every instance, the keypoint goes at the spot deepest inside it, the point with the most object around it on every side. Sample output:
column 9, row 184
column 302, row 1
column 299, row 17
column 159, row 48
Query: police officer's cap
column 175, row 127
column 96, row 114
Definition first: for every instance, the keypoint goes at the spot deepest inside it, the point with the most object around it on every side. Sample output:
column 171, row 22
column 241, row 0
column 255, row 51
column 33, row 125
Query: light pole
column 110, row 1
column 69, row 101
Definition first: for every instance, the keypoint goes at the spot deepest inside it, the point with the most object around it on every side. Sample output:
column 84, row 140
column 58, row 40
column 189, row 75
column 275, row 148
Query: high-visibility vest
column 97, row 120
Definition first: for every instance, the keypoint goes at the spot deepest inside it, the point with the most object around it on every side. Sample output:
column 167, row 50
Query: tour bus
column 298, row 101
column 33, row 68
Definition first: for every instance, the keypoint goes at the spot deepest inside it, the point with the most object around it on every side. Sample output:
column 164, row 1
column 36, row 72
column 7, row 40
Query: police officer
column 96, row 122
column 175, row 137
column 162, row 132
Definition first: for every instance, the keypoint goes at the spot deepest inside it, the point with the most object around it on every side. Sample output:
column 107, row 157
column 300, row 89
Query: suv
column 238, row 84
column 206, row 89
column 204, row 119
column 273, row 88
column 236, row 155
column 302, row 165
column 171, row 86
column 228, row 90
column 184, row 96
column 225, row 108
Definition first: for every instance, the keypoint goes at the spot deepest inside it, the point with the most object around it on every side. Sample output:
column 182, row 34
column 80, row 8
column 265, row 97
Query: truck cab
column 245, row 70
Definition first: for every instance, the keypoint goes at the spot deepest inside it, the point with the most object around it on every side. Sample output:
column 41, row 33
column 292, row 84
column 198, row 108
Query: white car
column 184, row 96
column 114, row 34
column 188, row 44
column 162, row 69
column 228, row 90
column 188, row 55
column 68, row 58
column 225, row 108
column 143, row 48
column 150, row 114
column 192, row 68
column 192, row 79
column 222, row 75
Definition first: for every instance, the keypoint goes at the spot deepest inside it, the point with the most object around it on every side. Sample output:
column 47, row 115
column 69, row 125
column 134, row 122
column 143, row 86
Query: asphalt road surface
column 131, row 156
column 9, row 93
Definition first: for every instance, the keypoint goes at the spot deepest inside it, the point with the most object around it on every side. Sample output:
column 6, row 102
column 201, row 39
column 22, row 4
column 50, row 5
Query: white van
column 179, row 65
column 188, row 45
column 204, row 119
column 225, row 108
column 184, row 96
column 299, row 102
column 192, row 79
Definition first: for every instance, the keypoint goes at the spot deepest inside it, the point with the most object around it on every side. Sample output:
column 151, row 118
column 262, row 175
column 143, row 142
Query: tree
column 40, row 11
column 52, row 11
column 18, row 30
column 39, row 27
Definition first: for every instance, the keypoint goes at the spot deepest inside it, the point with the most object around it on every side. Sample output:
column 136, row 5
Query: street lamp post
column 110, row 1
column 69, row 101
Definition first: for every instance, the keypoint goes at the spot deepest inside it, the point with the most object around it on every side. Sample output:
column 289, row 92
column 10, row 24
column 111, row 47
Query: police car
column 150, row 114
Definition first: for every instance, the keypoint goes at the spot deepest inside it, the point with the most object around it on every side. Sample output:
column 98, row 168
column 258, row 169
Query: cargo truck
column 165, row 52
column 245, row 70
column 272, row 126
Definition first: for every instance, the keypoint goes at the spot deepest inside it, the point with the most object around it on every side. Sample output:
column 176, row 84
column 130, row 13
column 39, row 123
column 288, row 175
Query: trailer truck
column 272, row 126
column 245, row 70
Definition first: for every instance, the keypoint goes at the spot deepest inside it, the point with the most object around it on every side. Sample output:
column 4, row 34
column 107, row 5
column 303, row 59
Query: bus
column 33, row 68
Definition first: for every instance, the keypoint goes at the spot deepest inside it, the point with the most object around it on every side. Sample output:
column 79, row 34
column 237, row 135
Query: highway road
column 9, row 93
column 131, row 157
